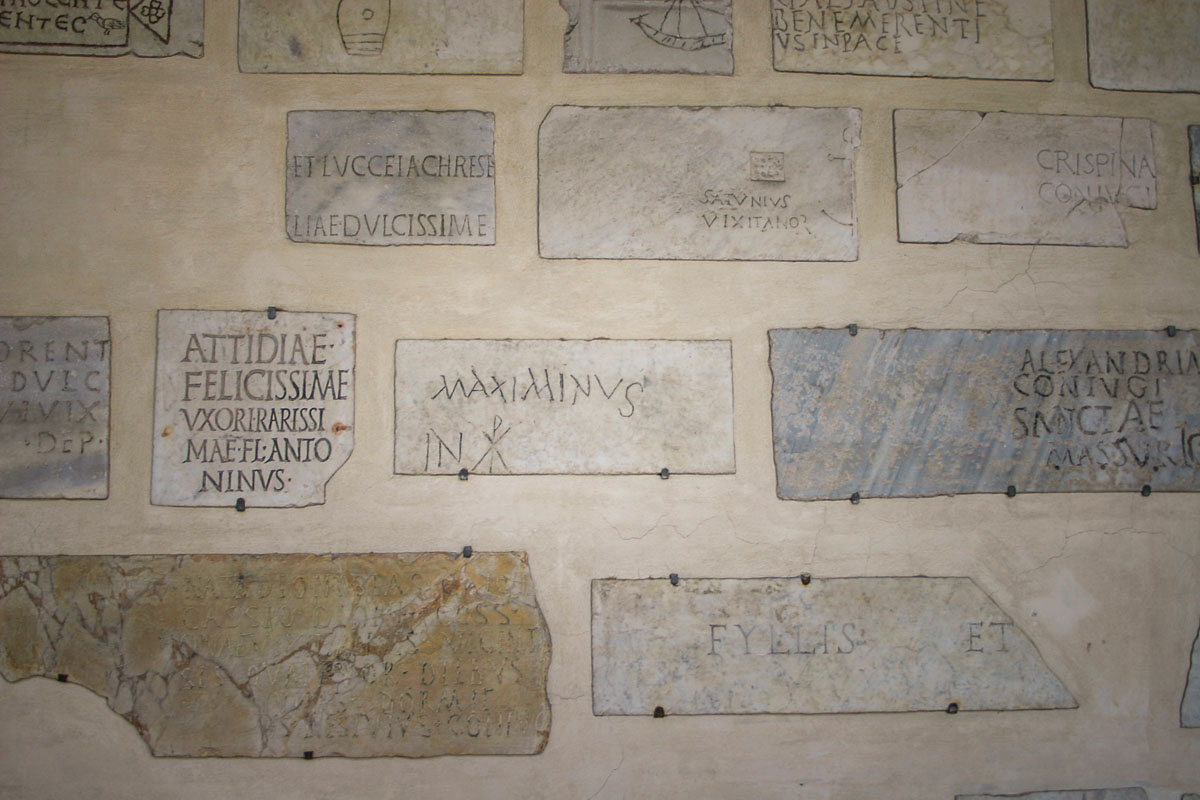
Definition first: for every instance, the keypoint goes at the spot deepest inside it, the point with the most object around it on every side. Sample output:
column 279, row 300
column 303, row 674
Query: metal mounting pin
column 463, row 474
column 240, row 505
column 272, row 311
column 468, row 551
column 674, row 577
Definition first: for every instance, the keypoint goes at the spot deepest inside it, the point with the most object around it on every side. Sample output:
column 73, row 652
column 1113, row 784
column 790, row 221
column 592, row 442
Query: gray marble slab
column 381, row 36
column 554, row 407
column 291, row 655
column 1000, row 178
column 912, row 413
column 688, row 36
column 735, row 183
column 54, row 407
column 1133, row 793
column 1002, row 39
column 1189, row 711
column 838, row 645
column 151, row 28
column 1194, row 139
column 391, row 177
column 1144, row 45
column 252, row 408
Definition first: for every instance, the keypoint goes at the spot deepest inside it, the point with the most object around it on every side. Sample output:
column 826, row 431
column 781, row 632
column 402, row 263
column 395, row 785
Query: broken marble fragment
column 1144, row 45
column 555, row 407
column 1189, row 713
column 1000, row 178
column 685, row 36
column 412, row 654
column 251, row 406
column 810, row 646
column 381, row 36
column 1194, row 138
column 912, row 413
column 54, row 401
column 139, row 27
column 1003, row 39
column 1133, row 793
column 734, row 183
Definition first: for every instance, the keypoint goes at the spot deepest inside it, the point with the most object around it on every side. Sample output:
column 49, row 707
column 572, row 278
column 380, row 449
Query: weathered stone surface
column 1005, row 39
column 999, row 178
column 251, row 408
column 910, row 413
column 553, row 407
column 841, row 645
column 54, row 399
column 391, row 177
column 1085, row 794
column 1144, row 45
column 1194, row 137
column 1189, row 711
column 104, row 28
column 736, row 183
column 277, row 655
column 381, row 36
column 693, row 36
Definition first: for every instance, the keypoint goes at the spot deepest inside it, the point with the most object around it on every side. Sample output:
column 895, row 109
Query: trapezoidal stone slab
column 251, row 407
column 54, row 401
column 382, row 36
column 1133, row 793
column 1189, row 710
column 391, row 177
column 911, row 413
column 1144, row 45
column 419, row 654
column 554, row 407
column 734, row 183
column 833, row 646
column 1000, row 178
column 1000, row 39
column 103, row 28
column 689, row 36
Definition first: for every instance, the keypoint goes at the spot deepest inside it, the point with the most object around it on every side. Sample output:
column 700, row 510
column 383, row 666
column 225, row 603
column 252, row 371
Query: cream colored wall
column 132, row 185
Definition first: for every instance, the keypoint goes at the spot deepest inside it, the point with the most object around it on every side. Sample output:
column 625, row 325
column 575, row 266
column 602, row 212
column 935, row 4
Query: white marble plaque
column 999, row 178
column 1144, row 45
column 291, row 655
column 840, row 645
column 381, row 36
column 54, row 400
column 1189, row 713
column 736, row 183
column 911, row 413
column 103, row 27
column 251, row 408
column 1003, row 39
column 691, row 36
column 391, row 177
column 554, row 407
column 1133, row 793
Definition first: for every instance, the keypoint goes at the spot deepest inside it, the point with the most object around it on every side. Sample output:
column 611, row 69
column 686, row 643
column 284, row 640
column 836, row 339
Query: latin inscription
column 391, row 177
column 251, row 408
column 563, row 407
column 54, row 401
column 783, row 645
column 975, row 411
column 275, row 656
column 103, row 27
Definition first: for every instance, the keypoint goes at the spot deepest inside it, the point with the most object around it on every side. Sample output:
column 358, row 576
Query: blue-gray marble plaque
column 1194, row 136
column 1189, row 712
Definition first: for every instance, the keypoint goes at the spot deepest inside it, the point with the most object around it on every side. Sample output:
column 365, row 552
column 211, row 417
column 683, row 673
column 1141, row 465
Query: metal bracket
column 853, row 328
column 468, row 551
column 665, row 474
column 240, row 505
column 272, row 311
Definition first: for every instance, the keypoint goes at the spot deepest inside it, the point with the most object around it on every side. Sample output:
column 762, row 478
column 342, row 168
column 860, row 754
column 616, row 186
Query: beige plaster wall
column 131, row 185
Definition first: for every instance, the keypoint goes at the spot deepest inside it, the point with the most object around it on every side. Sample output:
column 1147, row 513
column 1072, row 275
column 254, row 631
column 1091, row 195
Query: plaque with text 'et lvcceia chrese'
column 151, row 28
column 54, row 407
column 629, row 36
column 1143, row 45
column 913, row 413
column 295, row 655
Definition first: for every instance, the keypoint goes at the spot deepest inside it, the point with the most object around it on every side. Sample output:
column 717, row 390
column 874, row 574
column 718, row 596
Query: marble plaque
column 381, row 36
column 278, row 656
column 736, row 183
column 835, row 646
column 1004, row 39
column 391, row 177
column 54, row 397
column 1189, row 713
column 999, row 178
column 1084, row 794
column 554, row 407
column 692, row 36
column 103, row 27
column 1144, row 45
column 911, row 413
column 1194, row 137
column 251, row 408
